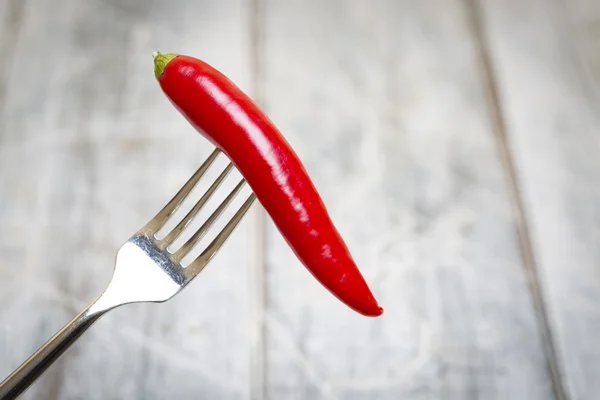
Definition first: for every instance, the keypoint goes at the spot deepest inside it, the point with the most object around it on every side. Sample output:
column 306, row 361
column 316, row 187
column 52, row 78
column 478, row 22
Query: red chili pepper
column 227, row 117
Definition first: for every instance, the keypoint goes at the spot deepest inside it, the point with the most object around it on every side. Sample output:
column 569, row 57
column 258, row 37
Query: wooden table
column 455, row 143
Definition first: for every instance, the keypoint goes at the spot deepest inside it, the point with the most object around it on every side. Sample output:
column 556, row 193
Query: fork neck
column 104, row 303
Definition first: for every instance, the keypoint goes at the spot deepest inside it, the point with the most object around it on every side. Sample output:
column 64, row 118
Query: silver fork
column 145, row 271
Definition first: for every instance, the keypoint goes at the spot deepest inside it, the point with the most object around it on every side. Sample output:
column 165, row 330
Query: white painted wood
column 90, row 149
column 385, row 105
column 11, row 15
column 546, row 61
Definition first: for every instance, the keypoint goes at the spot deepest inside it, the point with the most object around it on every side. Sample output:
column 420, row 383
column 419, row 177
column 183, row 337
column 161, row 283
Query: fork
column 145, row 271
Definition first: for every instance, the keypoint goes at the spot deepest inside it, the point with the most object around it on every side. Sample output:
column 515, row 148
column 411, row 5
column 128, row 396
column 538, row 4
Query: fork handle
column 18, row 382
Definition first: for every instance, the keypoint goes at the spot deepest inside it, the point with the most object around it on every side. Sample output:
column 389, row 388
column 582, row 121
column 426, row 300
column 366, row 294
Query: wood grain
column 456, row 151
column 546, row 66
column 11, row 16
column 91, row 149
column 386, row 106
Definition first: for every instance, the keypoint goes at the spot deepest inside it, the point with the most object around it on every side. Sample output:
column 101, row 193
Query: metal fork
column 145, row 271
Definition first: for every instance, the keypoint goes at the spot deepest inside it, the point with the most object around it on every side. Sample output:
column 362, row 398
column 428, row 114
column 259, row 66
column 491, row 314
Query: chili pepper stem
column 161, row 61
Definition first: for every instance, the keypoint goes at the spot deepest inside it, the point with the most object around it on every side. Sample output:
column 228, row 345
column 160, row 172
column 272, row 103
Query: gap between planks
column 497, row 119
column 257, row 227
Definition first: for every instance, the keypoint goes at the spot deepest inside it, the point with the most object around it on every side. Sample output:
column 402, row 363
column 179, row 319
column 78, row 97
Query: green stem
column 161, row 61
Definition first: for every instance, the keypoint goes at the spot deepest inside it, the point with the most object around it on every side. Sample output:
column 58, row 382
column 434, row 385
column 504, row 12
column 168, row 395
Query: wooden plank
column 546, row 68
column 26, row 176
column 91, row 149
column 11, row 16
column 385, row 105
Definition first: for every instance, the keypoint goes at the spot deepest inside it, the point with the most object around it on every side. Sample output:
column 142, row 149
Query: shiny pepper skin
column 227, row 117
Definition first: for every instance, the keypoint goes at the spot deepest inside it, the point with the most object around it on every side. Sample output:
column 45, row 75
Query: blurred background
column 455, row 143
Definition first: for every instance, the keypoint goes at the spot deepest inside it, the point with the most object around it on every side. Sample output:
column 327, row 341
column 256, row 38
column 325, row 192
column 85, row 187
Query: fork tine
column 174, row 234
column 159, row 220
column 196, row 237
column 200, row 262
